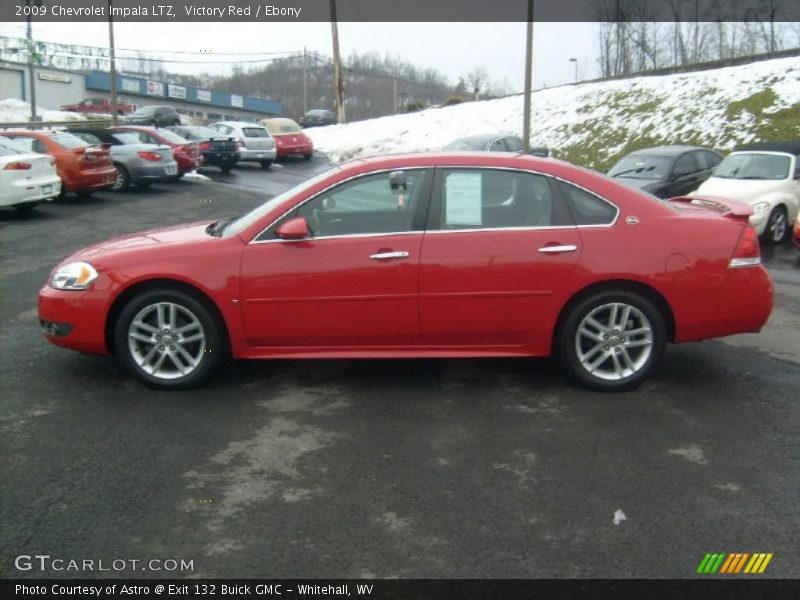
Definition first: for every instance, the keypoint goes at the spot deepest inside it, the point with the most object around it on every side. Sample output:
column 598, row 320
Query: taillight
column 149, row 155
column 17, row 166
column 205, row 146
column 747, row 252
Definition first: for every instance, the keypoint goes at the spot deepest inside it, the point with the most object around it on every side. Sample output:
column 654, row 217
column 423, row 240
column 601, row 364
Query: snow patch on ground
column 12, row 110
column 679, row 108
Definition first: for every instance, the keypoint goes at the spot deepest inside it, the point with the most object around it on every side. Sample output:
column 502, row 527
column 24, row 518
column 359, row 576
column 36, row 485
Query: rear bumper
column 154, row 171
column 90, row 180
column 220, row 158
column 251, row 155
column 741, row 304
column 294, row 150
column 74, row 320
column 25, row 191
column 186, row 164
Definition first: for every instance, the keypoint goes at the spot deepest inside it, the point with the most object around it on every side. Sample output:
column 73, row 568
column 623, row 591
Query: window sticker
column 463, row 199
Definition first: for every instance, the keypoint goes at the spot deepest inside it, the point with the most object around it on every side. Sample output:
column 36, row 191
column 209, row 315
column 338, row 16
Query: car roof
column 666, row 150
column 787, row 147
column 238, row 123
column 484, row 137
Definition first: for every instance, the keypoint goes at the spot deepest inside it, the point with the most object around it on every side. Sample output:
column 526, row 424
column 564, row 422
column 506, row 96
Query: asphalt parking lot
column 419, row 468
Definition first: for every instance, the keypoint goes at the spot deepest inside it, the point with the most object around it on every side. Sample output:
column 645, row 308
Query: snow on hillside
column 593, row 123
column 12, row 110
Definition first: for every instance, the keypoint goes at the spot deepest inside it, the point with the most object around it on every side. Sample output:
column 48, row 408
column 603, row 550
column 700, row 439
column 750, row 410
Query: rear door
column 498, row 254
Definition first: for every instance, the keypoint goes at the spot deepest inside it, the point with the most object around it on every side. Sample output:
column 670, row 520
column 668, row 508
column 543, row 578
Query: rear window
column 68, row 141
column 258, row 132
column 127, row 138
column 586, row 208
column 144, row 110
column 201, row 133
column 466, row 145
column 171, row 137
column 283, row 128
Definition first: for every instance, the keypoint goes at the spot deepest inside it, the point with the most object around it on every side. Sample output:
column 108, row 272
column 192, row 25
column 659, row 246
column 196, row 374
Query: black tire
column 26, row 208
column 307, row 156
column 144, row 185
column 209, row 352
column 625, row 360
column 123, row 179
column 86, row 193
column 777, row 226
column 153, row 124
column 266, row 164
column 226, row 167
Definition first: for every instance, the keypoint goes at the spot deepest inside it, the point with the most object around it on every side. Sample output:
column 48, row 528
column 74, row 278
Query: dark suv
column 154, row 116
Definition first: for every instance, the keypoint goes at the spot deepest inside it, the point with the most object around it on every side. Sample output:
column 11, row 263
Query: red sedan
column 289, row 138
column 431, row 255
column 187, row 154
column 83, row 168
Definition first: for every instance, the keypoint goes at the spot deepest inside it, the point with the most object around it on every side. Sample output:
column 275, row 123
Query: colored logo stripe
column 734, row 563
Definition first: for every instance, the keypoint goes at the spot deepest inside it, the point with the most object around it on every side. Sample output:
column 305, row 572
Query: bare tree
column 476, row 80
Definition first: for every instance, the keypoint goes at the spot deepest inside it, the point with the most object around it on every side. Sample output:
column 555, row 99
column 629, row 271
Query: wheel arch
column 162, row 283
column 627, row 285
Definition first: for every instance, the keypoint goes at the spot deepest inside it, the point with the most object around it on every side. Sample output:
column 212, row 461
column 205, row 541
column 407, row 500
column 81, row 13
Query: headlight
column 760, row 208
column 74, row 276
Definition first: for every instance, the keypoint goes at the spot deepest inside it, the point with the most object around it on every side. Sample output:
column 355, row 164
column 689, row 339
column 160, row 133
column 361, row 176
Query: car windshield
column 278, row 128
column 753, row 166
column 144, row 110
column 127, row 138
column 68, row 141
column 319, row 113
column 243, row 222
column 468, row 145
column 171, row 137
column 258, row 132
column 642, row 166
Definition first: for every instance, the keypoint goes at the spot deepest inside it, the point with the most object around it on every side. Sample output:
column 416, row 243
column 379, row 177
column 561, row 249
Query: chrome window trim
column 255, row 239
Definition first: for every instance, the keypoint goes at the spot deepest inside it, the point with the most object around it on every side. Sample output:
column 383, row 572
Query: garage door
column 11, row 83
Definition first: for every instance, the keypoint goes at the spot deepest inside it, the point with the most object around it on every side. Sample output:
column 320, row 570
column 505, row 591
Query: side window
column 25, row 143
column 514, row 144
column 685, row 165
column 712, row 160
column 498, row 146
column 492, row 199
column 88, row 138
column 797, row 167
column 379, row 203
column 586, row 208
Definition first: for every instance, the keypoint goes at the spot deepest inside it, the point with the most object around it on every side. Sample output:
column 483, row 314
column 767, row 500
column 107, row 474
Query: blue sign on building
column 100, row 80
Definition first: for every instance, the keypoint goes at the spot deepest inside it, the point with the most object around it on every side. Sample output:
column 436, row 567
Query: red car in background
column 425, row 255
column 289, row 138
column 187, row 154
column 83, row 168
column 796, row 232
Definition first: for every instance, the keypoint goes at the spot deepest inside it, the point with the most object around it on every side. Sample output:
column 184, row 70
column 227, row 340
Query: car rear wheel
column 308, row 156
column 168, row 339
column 777, row 226
column 266, row 164
column 226, row 167
column 122, row 180
column 613, row 340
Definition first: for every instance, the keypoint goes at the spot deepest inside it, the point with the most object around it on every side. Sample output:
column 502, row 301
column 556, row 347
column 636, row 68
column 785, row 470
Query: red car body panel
column 463, row 293
column 77, row 174
column 291, row 144
column 187, row 155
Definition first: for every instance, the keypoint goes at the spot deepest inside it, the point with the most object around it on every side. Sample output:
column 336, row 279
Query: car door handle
column 557, row 249
column 388, row 255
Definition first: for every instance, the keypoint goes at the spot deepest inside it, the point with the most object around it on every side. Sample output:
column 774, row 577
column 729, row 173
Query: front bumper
column 73, row 319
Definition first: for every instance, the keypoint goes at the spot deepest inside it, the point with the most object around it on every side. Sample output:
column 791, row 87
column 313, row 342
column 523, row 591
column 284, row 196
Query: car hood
column 176, row 234
column 744, row 190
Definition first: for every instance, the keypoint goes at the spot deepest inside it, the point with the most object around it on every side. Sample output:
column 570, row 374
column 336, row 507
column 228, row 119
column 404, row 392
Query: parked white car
column 255, row 142
column 767, row 177
column 26, row 178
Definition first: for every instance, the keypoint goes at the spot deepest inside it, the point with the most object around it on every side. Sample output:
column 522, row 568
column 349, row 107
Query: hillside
column 593, row 124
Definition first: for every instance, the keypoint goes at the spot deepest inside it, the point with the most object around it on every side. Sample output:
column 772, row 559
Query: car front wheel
column 777, row 226
column 613, row 340
column 169, row 339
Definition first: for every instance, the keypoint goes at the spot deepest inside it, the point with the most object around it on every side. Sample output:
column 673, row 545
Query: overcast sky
column 451, row 48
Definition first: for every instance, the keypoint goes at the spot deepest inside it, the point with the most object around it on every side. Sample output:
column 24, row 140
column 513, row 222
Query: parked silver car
column 136, row 163
column 255, row 142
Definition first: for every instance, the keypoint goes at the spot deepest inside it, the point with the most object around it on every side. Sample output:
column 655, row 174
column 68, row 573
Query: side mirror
column 293, row 229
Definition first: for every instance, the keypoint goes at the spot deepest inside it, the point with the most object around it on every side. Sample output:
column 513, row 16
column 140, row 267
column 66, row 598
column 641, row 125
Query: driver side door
column 353, row 282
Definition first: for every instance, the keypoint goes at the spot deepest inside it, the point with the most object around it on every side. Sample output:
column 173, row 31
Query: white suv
column 255, row 142
column 767, row 177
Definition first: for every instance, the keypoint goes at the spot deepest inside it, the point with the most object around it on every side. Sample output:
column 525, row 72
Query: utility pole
column 113, row 67
column 305, row 81
column 31, row 78
column 338, row 95
column 526, row 105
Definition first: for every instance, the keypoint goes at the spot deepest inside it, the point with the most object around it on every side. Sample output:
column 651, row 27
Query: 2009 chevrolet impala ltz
column 428, row 255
